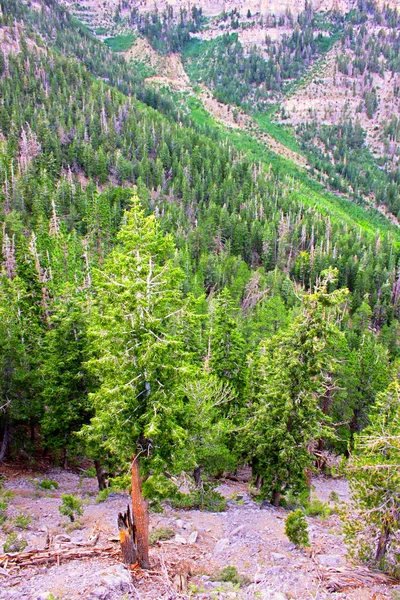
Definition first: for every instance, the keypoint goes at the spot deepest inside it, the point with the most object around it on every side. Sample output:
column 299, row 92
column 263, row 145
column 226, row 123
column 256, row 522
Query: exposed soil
column 244, row 536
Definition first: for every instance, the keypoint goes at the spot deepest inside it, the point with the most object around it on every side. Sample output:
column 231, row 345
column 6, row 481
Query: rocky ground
column 187, row 565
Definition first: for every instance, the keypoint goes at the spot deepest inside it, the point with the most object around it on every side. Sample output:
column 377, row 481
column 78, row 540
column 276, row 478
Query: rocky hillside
column 240, row 553
column 215, row 7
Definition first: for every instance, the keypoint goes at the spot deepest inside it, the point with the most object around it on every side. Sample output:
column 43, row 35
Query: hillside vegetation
column 177, row 300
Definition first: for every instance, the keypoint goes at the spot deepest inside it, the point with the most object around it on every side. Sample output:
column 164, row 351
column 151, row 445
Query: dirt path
column 244, row 536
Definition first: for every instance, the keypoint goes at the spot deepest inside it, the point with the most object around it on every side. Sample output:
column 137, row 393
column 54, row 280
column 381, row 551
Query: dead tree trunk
column 127, row 537
column 140, row 515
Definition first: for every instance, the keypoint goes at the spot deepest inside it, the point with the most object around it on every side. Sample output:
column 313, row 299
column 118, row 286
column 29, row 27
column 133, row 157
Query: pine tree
column 373, row 527
column 227, row 346
column 290, row 376
column 67, row 383
column 20, row 342
column 139, row 361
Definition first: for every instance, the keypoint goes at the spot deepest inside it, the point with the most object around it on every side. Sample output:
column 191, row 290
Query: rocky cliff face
column 264, row 7
column 101, row 12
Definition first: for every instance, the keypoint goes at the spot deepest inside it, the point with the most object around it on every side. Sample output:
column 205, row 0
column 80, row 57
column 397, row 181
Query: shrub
column 90, row 472
column 71, row 506
column 230, row 574
column 3, row 509
column 296, row 528
column 317, row 508
column 70, row 527
column 160, row 533
column 22, row 521
column 202, row 499
column 48, row 484
column 14, row 544
column 102, row 496
column 8, row 495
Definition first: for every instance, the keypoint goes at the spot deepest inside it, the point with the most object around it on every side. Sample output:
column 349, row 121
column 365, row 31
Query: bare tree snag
column 127, row 537
column 140, row 515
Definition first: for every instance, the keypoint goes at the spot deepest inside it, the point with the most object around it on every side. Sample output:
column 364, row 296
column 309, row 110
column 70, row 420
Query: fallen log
column 337, row 579
column 40, row 557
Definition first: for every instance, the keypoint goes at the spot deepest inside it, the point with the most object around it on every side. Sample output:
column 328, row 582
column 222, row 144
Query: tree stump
column 127, row 537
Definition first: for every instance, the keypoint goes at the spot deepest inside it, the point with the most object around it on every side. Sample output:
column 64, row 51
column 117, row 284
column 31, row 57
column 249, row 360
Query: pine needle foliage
column 373, row 526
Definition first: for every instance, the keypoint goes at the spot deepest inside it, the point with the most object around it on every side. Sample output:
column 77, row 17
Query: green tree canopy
column 373, row 528
column 289, row 378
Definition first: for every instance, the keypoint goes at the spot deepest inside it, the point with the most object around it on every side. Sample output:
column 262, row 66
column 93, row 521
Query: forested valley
column 178, row 301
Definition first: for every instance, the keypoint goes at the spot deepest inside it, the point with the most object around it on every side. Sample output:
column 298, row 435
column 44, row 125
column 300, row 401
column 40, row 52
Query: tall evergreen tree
column 66, row 381
column 374, row 477
column 227, row 345
column 20, row 342
column 139, row 360
column 285, row 420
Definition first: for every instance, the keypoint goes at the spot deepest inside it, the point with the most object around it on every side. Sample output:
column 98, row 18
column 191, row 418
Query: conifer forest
column 200, row 299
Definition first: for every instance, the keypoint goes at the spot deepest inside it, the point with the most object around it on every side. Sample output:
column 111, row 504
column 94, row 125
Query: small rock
column 330, row 560
column 208, row 585
column 192, row 539
column 115, row 579
column 274, row 571
column 215, row 584
column 291, row 546
column 179, row 539
column 101, row 593
column 275, row 556
column 179, row 523
column 237, row 530
column 221, row 545
column 279, row 596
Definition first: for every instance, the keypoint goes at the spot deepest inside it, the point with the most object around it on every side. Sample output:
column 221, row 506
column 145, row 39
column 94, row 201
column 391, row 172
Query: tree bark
column 197, row 476
column 258, row 482
column 101, row 479
column 127, row 537
column 308, row 474
column 276, row 498
column 382, row 543
column 64, row 459
column 5, row 442
column 32, row 427
column 140, row 515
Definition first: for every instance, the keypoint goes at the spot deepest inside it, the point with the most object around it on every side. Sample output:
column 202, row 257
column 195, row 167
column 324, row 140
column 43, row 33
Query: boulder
column 221, row 545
